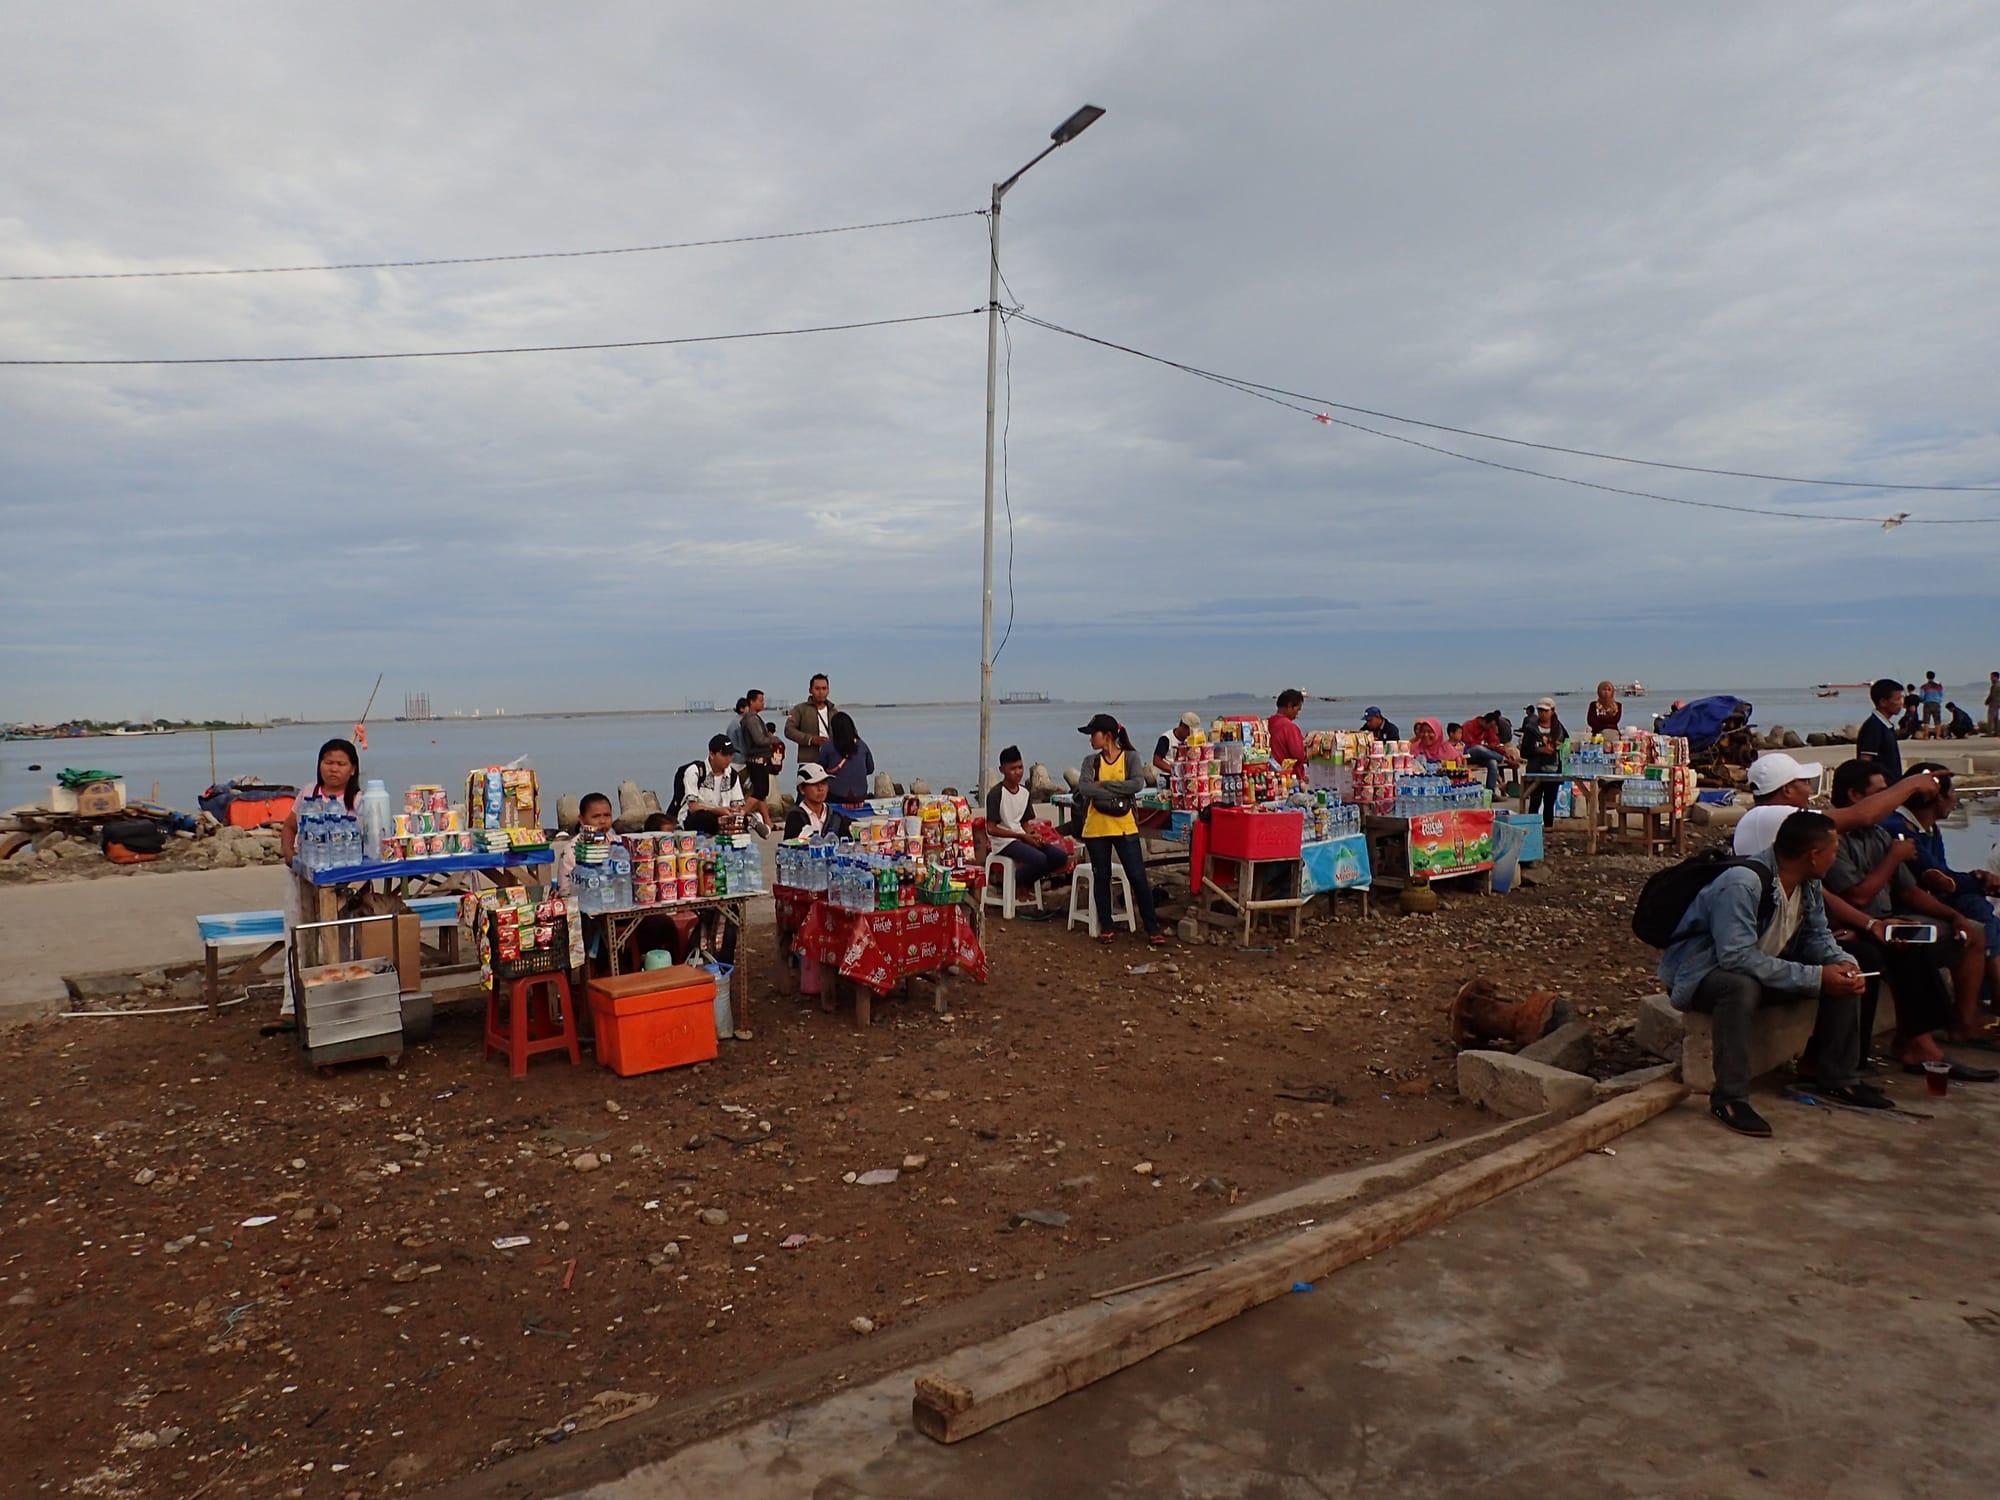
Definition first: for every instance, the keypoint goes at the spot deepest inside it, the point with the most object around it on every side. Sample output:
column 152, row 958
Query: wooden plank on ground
column 978, row 1388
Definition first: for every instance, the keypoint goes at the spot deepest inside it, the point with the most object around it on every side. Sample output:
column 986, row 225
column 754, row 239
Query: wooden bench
column 240, row 928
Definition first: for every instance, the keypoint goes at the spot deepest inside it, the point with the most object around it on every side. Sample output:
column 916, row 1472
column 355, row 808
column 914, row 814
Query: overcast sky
column 1758, row 237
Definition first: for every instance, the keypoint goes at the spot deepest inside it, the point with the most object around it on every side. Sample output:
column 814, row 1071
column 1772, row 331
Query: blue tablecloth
column 1336, row 865
column 401, row 869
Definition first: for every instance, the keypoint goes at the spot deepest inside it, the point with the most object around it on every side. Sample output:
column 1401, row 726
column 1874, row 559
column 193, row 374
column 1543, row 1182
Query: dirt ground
column 370, row 1339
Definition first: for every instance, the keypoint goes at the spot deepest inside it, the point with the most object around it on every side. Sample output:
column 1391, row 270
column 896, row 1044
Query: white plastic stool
column 1081, row 902
column 1001, row 892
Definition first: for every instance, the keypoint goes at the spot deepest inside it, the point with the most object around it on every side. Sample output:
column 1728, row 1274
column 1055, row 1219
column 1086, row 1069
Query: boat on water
column 1826, row 690
column 1024, row 698
column 127, row 731
column 1635, row 689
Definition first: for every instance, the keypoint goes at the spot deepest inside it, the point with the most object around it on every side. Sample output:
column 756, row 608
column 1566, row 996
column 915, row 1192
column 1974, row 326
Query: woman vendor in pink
column 339, row 780
column 1428, row 741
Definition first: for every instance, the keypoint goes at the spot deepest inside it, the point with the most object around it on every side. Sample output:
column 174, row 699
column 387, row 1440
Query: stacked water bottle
column 1417, row 795
column 330, row 837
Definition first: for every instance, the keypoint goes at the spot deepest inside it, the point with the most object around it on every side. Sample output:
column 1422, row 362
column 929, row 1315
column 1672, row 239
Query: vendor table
column 1433, row 846
column 1605, row 814
column 733, row 911
column 320, row 892
column 877, row 950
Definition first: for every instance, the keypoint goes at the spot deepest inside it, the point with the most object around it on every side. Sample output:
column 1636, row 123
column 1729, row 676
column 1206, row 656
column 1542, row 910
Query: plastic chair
column 1001, row 892
column 1082, row 903
column 538, row 1017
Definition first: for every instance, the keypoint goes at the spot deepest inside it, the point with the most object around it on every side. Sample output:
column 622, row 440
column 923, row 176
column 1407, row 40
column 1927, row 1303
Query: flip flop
column 1156, row 940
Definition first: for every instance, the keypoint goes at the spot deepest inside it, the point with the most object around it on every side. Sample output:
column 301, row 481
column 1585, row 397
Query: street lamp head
column 1075, row 125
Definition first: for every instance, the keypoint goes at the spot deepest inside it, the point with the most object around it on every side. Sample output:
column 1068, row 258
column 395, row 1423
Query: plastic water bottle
column 378, row 821
column 618, row 867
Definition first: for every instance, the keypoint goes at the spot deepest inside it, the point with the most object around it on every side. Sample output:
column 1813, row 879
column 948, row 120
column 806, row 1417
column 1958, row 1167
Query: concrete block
column 1658, row 1028
column 94, row 987
column 1514, row 1086
column 1624, row 1083
column 1570, row 1048
column 32, row 997
column 1778, row 1034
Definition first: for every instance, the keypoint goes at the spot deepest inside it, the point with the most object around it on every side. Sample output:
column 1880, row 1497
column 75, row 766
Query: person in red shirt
column 1483, row 748
column 1288, row 742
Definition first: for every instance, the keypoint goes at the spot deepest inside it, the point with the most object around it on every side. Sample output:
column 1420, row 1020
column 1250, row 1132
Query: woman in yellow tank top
column 1111, row 781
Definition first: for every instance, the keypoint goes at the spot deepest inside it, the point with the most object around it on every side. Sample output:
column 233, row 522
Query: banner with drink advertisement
column 1451, row 843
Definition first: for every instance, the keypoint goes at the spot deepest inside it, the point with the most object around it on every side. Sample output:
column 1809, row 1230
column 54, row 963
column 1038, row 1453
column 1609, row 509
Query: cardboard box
column 400, row 940
column 97, row 798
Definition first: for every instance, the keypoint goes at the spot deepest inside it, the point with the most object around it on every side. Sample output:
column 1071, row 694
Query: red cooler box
column 660, row 1018
column 1240, row 833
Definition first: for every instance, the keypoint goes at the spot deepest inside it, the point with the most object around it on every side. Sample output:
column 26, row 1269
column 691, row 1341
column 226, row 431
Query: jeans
column 1032, row 864
column 1131, row 855
column 1492, row 760
column 1543, row 794
column 1923, row 1003
column 1732, row 998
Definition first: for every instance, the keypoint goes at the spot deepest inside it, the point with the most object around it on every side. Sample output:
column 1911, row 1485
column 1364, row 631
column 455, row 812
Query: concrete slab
column 1517, row 1086
column 1699, row 1315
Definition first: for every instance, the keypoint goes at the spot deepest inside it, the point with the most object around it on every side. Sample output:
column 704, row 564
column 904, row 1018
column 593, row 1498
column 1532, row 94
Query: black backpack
column 679, row 799
column 1665, row 898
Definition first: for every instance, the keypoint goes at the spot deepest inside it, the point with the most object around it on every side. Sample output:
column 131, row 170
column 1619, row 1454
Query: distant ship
column 1024, row 697
column 1635, row 689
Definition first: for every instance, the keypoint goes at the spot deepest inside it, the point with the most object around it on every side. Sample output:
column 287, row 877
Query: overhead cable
column 703, row 338
column 481, row 260
column 1326, row 418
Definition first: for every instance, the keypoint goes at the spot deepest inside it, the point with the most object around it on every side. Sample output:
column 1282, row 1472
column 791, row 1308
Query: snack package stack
column 526, row 919
column 1373, row 786
column 502, row 797
column 1252, row 733
column 1194, row 778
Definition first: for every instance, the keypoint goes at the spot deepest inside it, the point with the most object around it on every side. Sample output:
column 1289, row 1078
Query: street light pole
column 1062, row 135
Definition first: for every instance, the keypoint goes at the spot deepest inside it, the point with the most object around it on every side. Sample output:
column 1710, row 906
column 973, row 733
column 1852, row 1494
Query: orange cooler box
column 663, row 1018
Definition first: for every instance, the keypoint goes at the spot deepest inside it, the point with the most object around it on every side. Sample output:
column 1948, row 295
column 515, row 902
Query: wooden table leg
column 739, row 985
column 864, row 1001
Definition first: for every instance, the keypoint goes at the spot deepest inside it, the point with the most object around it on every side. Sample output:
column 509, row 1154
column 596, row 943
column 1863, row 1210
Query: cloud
column 1750, row 237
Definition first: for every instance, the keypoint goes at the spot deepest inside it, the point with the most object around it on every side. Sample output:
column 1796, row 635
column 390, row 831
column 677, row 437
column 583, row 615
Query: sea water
column 578, row 753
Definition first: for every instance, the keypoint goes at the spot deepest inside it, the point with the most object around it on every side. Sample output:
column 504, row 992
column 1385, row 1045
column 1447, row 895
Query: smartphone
column 1910, row 932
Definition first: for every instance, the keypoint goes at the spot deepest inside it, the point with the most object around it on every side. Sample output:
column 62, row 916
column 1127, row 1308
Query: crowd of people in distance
column 1832, row 906
column 1907, row 711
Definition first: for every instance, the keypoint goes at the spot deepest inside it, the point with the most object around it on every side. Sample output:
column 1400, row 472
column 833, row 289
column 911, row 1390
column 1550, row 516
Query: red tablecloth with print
column 879, row 949
column 791, row 904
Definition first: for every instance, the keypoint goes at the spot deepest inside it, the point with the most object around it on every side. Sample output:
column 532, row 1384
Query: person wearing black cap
column 709, row 793
column 1111, row 781
column 1375, row 723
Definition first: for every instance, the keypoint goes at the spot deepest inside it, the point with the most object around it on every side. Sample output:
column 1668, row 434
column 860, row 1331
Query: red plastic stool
column 529, row 1026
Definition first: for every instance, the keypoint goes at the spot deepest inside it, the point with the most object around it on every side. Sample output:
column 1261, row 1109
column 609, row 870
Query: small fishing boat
column 1635, row 689
column 1826, row 690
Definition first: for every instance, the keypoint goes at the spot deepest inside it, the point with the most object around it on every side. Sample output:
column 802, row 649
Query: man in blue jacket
column 1728, row 958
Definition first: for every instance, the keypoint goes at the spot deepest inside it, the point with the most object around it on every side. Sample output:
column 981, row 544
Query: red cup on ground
column 1937, row 1078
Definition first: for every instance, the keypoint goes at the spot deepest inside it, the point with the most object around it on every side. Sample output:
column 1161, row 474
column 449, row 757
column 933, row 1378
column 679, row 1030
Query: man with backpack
column 1756, row 934
column 708, row 793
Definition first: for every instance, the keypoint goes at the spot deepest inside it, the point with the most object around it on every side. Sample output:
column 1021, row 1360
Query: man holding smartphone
column 1876, row 873
column 1758, row 937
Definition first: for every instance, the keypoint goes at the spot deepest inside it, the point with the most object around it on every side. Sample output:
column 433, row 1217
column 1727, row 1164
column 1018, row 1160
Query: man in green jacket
column 810, row 724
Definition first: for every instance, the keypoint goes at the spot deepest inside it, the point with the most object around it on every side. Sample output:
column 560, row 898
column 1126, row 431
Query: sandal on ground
column 1105, row 939
column 1156, row 940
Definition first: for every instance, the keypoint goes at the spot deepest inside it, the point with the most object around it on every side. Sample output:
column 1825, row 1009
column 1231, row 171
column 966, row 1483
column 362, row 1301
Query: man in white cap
column 1783, row 785
column 1163, row 752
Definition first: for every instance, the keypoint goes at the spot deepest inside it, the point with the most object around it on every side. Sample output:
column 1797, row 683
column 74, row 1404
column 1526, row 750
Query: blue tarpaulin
column 1700, row 722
